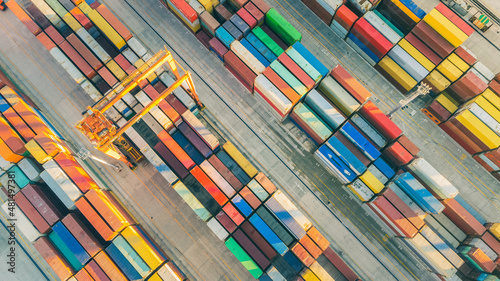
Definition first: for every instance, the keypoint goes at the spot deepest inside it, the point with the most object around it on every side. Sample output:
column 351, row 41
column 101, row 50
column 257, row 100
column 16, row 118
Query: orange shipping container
column 96, row 272
column 109, row 267
column 310, row 246
column 49, row 144
column 356, row 89
column 23, row 17
column 112, row 214
column 52, row 256
column 95, row 219
column 81, row 17
column 11, row 138
column 8, row 154
column 75, row 172
column 318, row 238
column 303, row 255
column 114, row 22
column 19, row 125
column 34, row 122
column 46, row 41
column 176, row 149
column 265, row 183
column 83, row 275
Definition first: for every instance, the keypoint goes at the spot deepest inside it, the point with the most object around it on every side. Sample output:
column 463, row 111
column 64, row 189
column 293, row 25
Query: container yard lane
column 185, row 239
column 277, row 149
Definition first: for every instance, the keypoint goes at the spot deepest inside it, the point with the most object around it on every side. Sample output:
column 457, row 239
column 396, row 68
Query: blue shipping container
column 188, row 147
column 132, row 256
column 293, row 261
column 265, row 277
column 242, row 205
column 71, row 242
column 254, row 52
column 122, row 263
column 285, row 218
column 3, row 104
column 240, row 24
column 368, row 129
column 268, row 234
column 384, row 167
column 363, row 47
column 311, row 58
column 414, row 8
column 346, row 155
column 65, row 251
column 233, row 30
column 418, row 193
column 224, row 36
column 336, row 165
column 470, row 209
column 360, row 141
column 263, row 50
column 321, row 106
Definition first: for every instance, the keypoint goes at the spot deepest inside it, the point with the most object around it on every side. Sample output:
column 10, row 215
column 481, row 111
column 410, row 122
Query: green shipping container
column 389, row 23
column 65, row 251
column 132, row 256
column 282, row 27
column 189, row 198
column 268, row 41
column 57, row 7
column 340, row 97
column 304, row 64
column 289, row 78
column 243, row 257
column 314, row 121
column 19, row 177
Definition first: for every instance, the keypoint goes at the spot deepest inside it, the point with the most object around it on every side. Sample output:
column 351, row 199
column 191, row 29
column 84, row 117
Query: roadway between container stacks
column 182, row 43
column 158, row 208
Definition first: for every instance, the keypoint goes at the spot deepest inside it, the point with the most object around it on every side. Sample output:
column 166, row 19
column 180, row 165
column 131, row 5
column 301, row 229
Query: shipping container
column 257, row 256
column 191, row 200
column 243, row 257
column 31, row 213
column 310, row 123
column 60, row 184
column 403, row 208
column 433, row 39
column 462, row 218
column 325, row 109
column 122, row 261
column 23, row 17
column 418, row 193
column 217, row 229
column 285, row 217
column 59, row 243
column 71, row 242
column 347, row 156
column 433, row 179
column 53, row 258
column 340, row 97
column 380, row 121
column 202, row 195
column 40, row 201
column 268, row 234
column 334, row 164
column 143, row 246
column 282, row 27
column 81, row 233
column 109, row 267
column 225, row 172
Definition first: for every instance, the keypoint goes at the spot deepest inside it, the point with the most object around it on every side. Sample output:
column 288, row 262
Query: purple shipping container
column 193, row 137
column 225, row 172
column 42, row 204
column 251, row 249
column 171, row 160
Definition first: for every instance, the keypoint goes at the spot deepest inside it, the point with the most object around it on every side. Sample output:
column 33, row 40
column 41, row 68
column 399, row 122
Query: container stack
column 343, row 21
column 403, row 14
column 58, row 206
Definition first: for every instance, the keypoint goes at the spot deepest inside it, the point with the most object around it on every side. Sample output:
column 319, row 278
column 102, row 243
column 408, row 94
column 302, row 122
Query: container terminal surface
column 278, row 149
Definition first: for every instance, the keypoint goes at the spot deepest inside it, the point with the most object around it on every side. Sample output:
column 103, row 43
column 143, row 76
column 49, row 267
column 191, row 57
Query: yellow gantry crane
column 107, row 137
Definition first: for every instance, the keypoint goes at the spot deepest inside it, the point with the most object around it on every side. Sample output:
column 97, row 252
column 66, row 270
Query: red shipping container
column 423, row 48
column 296, row 71
column 494, row 156
column 346, row 16
column 408, row 145
column 123, row 63
column 465, row 55
column 32, row 120
column 96, row 272
column 107, row 76
column 318, row 238
column 35, row 195
column 165, row 105
column 82, row 234
column 109, row 267
column 481, row 259
column 239, row 69
column 209, row 185
column 175, row 148
column 255, row 12
column 252, row 200
column 302, row 254
column 492, row 242
column 204, row 38
column 495, row 87
column 84, row 51
column 321, row 12
column 265, row 183
column 358, row 91
column 482, row 163
column 114, row 22
column 339, row 263
column 77, row 59
column 83, row 275
column 53, row 258
column 460, row 137
column 259, row 258
column 23, row 17
column 45, row 40
column 81, row 18
column 234, row 214
column 310, row 246
column 462, row 218
column 397, row 154
column 19, row 125
column 33, row 215
column 277, row 81
column 54, row 35
column 455, row 19
column 225, row 172
column 380, row 121
column 441, row 113
column 263, row 7
column 95, row 219
column 396, row 218
column 433, row 39
column 11, row 138
column 249, row 19
column 409, row 214
column 185, row 9
column 75, row 172
column 257, row 238
column 377, row 42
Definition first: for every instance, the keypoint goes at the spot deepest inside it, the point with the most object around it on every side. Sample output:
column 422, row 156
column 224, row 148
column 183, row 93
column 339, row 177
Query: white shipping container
column 265, row 104
column 130, row 55
column 360, row 189
column 30, row 168
column 292, row 209
column 430, row 256
column 484, row 70
column 93, row 45
column 217, row 229
column 130, row 100
column 452, row 228
column 485, row 118
column 156, row 112
column 92, row 91
column 168, row 274
column 362, row 5
column 113, row 114
column 320, row 272
column 120, row 106
column 200, row 129
column 137, row 46
column 4, row 165
column 66, row 63
column 330, row 167
column 59, row 182
column 438, row 228
column 432, row 178
column 489, row 162
column 478, row 243
column 408, row 201
column 441, row 246
column 252, row 62
column 152, row 123
column 146, row 57
column 382, row 27
column 408, row 63
column 23, row 224
column 196, row 6
column 220, row 181
column 273, row 94
column 274, row 274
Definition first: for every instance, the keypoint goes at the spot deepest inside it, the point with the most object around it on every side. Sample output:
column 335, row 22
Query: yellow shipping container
column 319, row 271
column 139, row 63
column 37, row 152
column 488, row 107
column 249, row 169
column 85, row 8
column 193, row 26
column 456, row 103
column 458, row 62
column 449, row 70
column 155, row 277
column 116, row 70
column 72, row 22
column 416, row 54
column 208, row 5
column 492, row 97
column 405, row 9
column 372, row 182
column 438, row 80
column 495, row 230
column 446, row 103
column 479, row 129
column 308, row 275
column 107, row 29
column 152, row 258
column 396, row 72
column 446, row 28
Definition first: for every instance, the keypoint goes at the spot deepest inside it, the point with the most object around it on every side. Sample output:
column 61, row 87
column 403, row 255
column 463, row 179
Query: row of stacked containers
column 240, row 205
column 82, row 231
column 408, row 46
